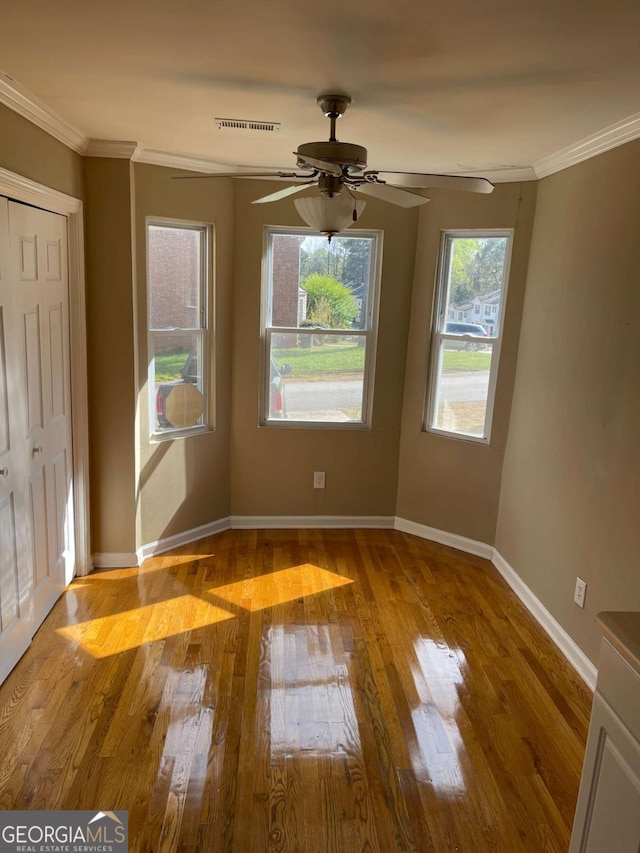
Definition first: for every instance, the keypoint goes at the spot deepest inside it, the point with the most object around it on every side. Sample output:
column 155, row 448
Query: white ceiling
column 455, row 87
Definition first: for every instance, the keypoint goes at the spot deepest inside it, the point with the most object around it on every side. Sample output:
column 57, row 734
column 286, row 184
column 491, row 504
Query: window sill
column 159, row 437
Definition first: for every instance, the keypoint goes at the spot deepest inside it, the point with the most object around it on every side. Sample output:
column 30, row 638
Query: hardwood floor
column 300, row 690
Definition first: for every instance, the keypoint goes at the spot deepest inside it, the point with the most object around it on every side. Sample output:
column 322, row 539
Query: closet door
column 37, row 555
column 39, row 248
column 15, row 534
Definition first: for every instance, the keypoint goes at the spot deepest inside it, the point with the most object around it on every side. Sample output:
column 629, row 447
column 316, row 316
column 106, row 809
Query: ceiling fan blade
column 386, row 193
column 282, row 176
column 445, row 182
column 320, row 165
column 287, row 191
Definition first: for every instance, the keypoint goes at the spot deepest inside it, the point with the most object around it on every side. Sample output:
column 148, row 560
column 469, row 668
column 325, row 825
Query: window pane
column 474, row 284
column 316, row 377
column 317, row 283
column 462, row 388
column 178, row 385
column 175, row 277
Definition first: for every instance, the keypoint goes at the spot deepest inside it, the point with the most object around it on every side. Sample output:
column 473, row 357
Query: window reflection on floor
column 312, row 708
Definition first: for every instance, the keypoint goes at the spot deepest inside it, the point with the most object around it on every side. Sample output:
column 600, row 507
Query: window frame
column 438, row 334
column 204, row 331
column 370, row 332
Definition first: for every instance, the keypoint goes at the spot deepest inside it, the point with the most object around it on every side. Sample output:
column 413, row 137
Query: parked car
column 473, row 330
column 189, row 373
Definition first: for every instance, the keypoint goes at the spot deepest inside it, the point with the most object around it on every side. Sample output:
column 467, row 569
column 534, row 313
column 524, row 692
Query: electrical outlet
column 318, row 479
column 580, row 593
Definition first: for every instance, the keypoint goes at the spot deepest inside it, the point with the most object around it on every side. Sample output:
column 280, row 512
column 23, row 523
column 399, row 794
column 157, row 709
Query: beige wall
column 185, row 482
column 570, row 502
column 447, row 483
column 29, row 151
column 272, row 468
column 110, row 344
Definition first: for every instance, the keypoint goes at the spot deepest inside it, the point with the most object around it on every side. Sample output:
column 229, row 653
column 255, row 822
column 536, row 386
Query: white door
column 15, row 543
column 38, row 517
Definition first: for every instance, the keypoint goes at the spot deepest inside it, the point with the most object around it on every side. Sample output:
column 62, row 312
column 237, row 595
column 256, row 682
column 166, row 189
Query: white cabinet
column 607, row 816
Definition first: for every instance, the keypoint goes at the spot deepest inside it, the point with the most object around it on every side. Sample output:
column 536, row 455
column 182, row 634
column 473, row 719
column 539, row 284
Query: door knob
column 37, row 450
column 4, row 472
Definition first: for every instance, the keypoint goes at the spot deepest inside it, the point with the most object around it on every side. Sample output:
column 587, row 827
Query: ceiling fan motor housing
column 354, row 157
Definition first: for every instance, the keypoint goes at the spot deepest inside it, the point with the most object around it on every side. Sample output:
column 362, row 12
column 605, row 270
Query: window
column 319, row 325
column 178, row 286
column 464, row 356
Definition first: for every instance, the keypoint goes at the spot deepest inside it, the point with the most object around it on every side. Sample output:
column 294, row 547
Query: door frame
column 18, row 188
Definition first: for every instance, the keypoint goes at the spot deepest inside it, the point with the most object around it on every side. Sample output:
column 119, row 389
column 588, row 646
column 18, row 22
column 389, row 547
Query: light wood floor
column 300, row 690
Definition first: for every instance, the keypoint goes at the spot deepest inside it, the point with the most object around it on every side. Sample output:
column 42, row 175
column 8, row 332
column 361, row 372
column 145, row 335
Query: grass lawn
column 346, row 358
column 325, row 358
column 169, row 364
column 460, row 359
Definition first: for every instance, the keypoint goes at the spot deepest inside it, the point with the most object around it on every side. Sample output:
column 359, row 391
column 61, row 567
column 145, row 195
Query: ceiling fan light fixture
column 329, row 216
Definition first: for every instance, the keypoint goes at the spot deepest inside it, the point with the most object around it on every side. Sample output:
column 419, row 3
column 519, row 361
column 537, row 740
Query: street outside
column 462, row 393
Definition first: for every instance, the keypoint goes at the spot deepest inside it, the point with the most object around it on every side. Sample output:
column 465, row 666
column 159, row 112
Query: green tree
column 318, row 255
column 476, row 266
column 329, row 302
column 357, row 260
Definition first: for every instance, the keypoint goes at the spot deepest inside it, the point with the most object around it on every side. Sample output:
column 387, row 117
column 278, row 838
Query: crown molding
column 179, row 161
column 110, row 148
column 507, row 175
column 22, row 101
column 19, row 99
column 610, row 137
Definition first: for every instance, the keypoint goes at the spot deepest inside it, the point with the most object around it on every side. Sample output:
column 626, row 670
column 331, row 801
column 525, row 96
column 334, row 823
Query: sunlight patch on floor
column 279, row 587
column 120, row 632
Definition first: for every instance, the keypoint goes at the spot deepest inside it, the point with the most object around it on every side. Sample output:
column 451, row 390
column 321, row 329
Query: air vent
column 244, row 124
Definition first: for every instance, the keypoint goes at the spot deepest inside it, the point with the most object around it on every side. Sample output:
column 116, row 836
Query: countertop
column 622, row 629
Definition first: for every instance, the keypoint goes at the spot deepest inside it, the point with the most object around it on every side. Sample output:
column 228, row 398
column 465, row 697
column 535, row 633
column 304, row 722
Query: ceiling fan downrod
column 334, row 107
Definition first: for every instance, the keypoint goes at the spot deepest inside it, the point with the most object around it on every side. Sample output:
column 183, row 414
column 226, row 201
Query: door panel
column 62, row 514
column 39, row 533
column 28, row 257
column 56, row 362
column 32, row 369
column 8, row 564
column 53, row 260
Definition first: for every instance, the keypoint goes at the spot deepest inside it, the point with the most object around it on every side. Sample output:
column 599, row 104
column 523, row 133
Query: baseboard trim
column 275, row 522
column 115, row 560
column 453, row 540
column 576, row 657
column 152, row 549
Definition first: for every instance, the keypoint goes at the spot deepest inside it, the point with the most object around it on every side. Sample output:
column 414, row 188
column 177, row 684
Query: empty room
column 319, row 411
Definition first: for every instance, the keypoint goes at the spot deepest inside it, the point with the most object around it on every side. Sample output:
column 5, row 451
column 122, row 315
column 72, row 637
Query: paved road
column 323, row 396
column 342, row 394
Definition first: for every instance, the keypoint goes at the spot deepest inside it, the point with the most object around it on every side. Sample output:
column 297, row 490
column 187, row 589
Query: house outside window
column 179, row 274
column 319, row 325
column 464, row 362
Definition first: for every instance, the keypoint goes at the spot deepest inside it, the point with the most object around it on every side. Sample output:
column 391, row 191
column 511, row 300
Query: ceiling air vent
column 244, row 124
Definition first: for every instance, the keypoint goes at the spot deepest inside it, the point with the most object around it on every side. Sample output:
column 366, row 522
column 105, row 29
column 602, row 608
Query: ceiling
column 496, row 87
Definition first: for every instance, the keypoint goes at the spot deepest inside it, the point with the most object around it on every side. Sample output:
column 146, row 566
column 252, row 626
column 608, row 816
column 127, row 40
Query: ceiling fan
column 335, row 167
